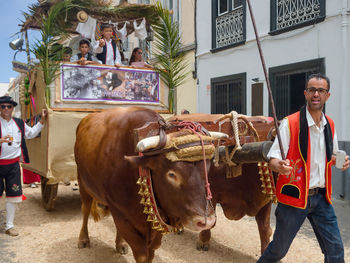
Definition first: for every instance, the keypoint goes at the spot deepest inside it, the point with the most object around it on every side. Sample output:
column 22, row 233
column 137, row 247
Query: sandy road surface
column 51, row 237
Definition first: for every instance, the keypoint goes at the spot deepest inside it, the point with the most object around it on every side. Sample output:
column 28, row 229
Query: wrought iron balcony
column 290, row 14
column 229, row 29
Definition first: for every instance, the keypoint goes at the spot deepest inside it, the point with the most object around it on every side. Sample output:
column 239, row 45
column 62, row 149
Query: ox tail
column 98, row 210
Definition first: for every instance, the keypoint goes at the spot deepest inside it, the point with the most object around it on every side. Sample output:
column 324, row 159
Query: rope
column 196, row 128
column 234, row 122
column 217, row 153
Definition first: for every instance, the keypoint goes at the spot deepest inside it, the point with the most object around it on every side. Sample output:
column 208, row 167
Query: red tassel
column 24, row 197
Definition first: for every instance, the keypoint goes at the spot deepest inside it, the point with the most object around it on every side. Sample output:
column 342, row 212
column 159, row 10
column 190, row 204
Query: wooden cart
column 51, row 154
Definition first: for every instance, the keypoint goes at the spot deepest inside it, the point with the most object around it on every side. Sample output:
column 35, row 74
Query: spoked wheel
column 48, row 194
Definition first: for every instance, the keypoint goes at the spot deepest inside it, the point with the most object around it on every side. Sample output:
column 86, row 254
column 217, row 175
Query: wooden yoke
column 210, row 122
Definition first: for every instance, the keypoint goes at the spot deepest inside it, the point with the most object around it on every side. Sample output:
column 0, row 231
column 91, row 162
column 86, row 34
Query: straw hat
column 82, row 16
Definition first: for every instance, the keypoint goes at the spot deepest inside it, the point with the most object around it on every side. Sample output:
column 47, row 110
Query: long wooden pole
column 267, row 80
column 27, row 46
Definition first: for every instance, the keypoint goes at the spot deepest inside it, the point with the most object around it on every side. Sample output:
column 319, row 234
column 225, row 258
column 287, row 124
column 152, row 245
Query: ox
column 106, row 176
column 238, row 196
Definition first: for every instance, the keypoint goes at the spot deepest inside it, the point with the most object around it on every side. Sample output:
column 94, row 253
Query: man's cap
column 7, row 99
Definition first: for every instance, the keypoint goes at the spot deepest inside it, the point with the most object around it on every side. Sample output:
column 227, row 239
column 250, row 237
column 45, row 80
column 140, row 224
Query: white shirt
column 75, row 58
column 109, row 53
column 318, row 148
column 11, row 128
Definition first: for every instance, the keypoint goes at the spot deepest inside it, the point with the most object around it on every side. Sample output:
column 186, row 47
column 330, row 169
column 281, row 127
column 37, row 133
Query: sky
column 10, row 17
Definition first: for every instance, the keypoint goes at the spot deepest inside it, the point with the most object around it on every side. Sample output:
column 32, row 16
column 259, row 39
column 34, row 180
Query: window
column 288, row 15
column 222, row 7
column 175, row 6
column 237, row 3
column 228, row 94
column 228, row 23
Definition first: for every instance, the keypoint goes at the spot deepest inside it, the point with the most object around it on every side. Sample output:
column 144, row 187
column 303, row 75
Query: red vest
column 293, row 189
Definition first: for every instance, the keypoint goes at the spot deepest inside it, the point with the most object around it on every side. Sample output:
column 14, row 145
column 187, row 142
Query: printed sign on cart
column 96, row 83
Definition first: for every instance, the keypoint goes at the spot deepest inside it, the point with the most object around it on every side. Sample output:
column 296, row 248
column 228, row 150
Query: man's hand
column 117, row 65
column 280, row 166
column 102, row 42
column 82, row 61
column 5, row 139
column 43, row 116
column 346, row 164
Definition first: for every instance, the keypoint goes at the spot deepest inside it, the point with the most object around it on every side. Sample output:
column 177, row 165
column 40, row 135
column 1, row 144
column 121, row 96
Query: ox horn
column 153, row 141
column 218, row 135
column 147, row 143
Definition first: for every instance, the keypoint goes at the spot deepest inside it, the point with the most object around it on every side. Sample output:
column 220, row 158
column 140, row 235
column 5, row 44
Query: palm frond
column 46, row 49
column 172, row 66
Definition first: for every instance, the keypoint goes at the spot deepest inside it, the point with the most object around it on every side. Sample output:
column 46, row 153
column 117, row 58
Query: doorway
column 288, row 85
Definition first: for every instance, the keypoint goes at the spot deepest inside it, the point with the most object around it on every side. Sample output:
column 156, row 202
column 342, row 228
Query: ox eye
column 174, row 178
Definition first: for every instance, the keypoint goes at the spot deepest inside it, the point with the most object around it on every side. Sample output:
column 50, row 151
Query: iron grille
column 228, row 95
column 230, row 28
column 288, row 14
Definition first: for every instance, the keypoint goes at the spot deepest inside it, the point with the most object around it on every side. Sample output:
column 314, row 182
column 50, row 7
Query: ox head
column 179, row 186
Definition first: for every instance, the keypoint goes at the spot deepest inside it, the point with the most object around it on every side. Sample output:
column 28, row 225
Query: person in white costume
column 13, row 132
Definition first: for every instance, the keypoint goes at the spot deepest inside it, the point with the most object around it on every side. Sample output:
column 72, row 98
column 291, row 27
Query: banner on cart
column 96, row 83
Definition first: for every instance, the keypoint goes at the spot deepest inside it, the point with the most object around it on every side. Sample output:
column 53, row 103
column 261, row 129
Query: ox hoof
column 122, row 249
column 84, row 244
column 202, row 246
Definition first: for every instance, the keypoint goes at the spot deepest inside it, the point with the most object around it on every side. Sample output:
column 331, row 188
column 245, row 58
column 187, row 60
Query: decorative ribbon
column 196, row 128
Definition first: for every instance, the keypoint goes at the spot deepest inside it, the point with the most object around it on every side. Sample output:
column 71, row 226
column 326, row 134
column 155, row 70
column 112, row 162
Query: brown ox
column 106, row 177
column 238, row 196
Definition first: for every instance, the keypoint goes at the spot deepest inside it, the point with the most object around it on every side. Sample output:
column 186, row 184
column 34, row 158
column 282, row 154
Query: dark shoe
column 12, row 232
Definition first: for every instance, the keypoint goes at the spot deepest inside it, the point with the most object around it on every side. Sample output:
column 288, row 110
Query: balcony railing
column 230, row 28
column 287, row 15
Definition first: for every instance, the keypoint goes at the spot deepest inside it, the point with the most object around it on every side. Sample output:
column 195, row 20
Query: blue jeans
column 324, row 223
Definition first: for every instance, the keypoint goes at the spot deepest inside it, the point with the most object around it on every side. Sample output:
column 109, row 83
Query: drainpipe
column 195, row 75
column 195, row 39
column 344, row 85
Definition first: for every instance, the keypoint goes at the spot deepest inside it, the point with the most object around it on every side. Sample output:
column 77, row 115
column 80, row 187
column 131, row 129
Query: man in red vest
column 304, row 186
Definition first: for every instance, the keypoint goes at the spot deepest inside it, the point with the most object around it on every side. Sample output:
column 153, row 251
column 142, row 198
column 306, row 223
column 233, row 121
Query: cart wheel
column 48, row 194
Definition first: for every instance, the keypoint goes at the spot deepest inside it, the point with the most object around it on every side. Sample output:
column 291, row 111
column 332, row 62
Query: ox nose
column 201, row 223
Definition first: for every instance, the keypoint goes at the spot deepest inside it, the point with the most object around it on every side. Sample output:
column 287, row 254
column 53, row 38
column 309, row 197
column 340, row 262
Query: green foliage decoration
column 46, row 49
column 171, row 63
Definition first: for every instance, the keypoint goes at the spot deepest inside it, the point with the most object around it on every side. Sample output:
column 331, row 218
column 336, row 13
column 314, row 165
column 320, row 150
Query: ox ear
column 138, row 161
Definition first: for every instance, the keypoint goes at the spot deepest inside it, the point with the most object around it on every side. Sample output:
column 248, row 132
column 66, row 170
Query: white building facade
column 298, row 38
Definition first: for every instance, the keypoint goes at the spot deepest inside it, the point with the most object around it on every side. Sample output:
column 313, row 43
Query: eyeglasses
column 320, row 91
column 6, row 106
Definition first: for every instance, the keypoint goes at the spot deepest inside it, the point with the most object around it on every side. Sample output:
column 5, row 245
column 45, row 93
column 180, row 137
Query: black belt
column 317, row 190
